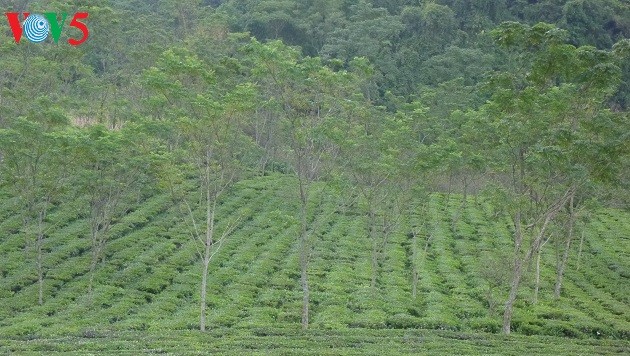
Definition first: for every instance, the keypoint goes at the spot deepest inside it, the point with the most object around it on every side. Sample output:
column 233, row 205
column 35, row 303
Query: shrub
column 439, row 323
column 333, row 317
column 561, row 328
column 26, row 329
column 403, row 321
column 598, row 331
column 486, row 324
column 372, row 319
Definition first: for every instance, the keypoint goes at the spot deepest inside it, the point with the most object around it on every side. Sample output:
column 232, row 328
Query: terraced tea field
column 147, row 288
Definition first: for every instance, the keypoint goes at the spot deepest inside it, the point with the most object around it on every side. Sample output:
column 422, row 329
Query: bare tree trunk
column 567, row 248
column 210, row 211
column 509, row 304
column 40, row 258
column 539, row 251
column 455, row 220
column 537, row 241
column 96, row 251
column 516, row 275
column 208, row 241
column 424, row 257
column 537, row 287
column 211, row 246
column 98, row 245
column 102, row 209
column 39, row 245
column 465, row 190
column 450, row 187
column 372, row 234
column 414, row 264
column 414, row 253
column 204, row 284
column 304, row 254
column 305, row 288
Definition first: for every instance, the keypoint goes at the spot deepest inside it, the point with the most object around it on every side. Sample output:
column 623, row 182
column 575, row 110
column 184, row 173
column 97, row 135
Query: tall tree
column 35, row 170
column 374, row 152
column 305, row 95
column 113, row 166
column 208, row 119
column 540, row 133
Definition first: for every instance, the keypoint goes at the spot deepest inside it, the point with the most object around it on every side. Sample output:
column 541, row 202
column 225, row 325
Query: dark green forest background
column 437, row 51
column 381, row 104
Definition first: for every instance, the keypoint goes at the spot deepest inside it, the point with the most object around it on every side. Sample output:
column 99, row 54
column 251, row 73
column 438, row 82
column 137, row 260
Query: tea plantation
column 146, row 289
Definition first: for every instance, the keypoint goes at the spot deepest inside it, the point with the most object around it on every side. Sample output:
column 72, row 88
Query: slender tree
column 306, row 97
column 208, row 122
column 35, row 170
column 542, row 151
column 113, row 167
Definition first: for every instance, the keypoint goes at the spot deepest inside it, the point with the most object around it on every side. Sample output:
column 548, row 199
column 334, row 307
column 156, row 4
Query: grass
column 263, row 341
column 146, row 290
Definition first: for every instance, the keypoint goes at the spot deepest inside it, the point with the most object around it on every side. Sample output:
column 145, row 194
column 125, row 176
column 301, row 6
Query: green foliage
column 111, row 152
column 148, row 283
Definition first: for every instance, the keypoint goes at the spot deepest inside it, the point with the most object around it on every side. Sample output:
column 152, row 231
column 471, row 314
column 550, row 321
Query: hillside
column 315, row 177
column 149, row 279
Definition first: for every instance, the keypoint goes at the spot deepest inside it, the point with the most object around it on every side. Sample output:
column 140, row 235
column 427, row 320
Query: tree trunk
column 516, row 275
column 455, row 220
column 304, row 252
column 40, row 257
column 305, row 289
column 565, row 255
column 101, row 209
column 537, row 287
column 509, row 304
column 450, row 187
column 538, row 252
column 95, row 254
column 372, row 234
column 40, row 270
column 204, row 283
column 211, row 205
column 537, row 241
column 414, row 264
column 465, row 190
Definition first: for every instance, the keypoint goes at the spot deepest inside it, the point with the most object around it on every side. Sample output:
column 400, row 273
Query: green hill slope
column 149, row 279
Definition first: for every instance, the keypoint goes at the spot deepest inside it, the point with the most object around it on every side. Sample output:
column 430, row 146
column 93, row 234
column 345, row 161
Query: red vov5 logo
column 37, row 27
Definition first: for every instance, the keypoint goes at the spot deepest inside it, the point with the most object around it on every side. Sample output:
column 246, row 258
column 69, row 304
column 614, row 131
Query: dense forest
column 503, row 124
